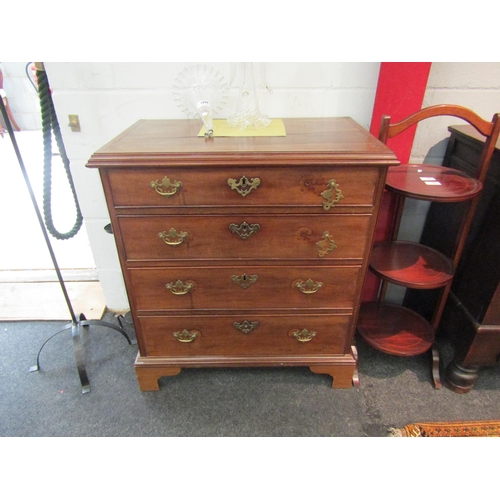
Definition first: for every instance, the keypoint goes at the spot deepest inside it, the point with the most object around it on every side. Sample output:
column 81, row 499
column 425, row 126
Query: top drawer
column 311, row 186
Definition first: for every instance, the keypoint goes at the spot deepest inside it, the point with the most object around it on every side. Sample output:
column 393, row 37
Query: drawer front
column 220, row 238
column 264, row 186
column 243, row 335
column 246, row 287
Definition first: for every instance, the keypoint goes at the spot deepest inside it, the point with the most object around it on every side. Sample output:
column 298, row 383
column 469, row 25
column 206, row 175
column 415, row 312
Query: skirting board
column 45, row 301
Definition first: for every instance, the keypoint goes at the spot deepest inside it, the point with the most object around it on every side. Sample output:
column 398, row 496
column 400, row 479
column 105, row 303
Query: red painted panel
column 400, row 93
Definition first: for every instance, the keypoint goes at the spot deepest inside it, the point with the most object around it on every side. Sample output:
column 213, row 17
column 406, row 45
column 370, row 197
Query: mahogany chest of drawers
column 244, row 251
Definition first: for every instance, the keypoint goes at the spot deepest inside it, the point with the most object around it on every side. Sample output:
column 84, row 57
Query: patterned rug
column 479, row 428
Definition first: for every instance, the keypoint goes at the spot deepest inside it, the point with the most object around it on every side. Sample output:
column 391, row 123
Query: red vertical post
column 400, row 93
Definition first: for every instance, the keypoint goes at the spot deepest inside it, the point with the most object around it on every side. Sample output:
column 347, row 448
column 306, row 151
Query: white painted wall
column 21, row 95
column 473, row 85
column 109, row 97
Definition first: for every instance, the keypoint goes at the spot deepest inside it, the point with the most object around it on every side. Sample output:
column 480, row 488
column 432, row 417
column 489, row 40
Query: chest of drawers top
column 157, row 143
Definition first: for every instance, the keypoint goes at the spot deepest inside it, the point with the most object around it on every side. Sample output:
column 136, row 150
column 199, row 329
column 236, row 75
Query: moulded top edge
column 284, row 160
column 304, row 137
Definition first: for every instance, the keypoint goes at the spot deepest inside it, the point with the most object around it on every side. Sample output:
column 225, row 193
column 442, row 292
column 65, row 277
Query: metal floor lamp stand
column 77, row 323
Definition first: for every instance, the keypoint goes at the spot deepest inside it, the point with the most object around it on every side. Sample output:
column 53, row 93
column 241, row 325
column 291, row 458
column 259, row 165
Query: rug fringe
column 464, row 428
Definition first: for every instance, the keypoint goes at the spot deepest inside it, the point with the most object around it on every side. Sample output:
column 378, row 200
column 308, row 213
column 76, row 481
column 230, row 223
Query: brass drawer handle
column 308, row 286
column 303, row 335
column 186, row 335
column 246, row 326
column 326, row 244
column 244, row 230
column 166, row 187
column 244, row 280
column 332, row 195
column 243, row 186
column 173, row 237
column 179, row 287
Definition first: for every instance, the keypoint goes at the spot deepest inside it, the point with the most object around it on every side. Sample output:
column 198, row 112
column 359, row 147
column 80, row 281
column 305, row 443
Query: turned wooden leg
column 459, row 378
column 148, row 376
column 342, row 375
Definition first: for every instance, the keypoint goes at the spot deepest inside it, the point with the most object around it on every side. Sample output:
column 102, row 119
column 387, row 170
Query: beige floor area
column 45, row 301
column 29, row 289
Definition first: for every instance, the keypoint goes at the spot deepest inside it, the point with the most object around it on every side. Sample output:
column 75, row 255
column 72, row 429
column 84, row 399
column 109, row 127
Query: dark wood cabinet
column 244, row 251
column 472, row 314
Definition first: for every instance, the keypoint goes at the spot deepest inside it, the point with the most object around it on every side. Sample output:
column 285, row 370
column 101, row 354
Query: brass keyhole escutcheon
column 332, row 195
column 246, row 326
column 244, row 186
column 245, row 281
column 244, row 230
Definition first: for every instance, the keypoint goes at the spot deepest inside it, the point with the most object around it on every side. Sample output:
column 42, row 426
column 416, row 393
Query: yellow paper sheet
column 221, row 129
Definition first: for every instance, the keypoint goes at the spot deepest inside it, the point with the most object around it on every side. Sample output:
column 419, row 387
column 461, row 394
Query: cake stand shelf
column 432, row 183
column 392, row 328
column 411, row 265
